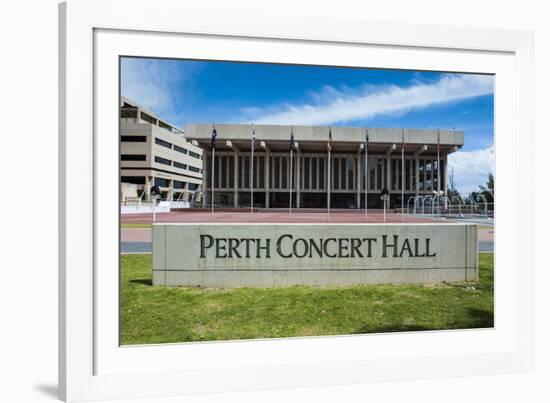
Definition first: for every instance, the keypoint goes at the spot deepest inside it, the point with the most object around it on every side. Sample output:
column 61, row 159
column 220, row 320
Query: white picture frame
column 93, row 34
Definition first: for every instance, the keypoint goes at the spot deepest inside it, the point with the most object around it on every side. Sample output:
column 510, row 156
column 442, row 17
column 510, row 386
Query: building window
column 180, row 149
column 246, row 167
column 223, row 171
column 407, row 173
column 192, row 186
column 372, row 174
column 335, row 166
column 133, row 157
column 232, row 173
column 133, row 139
column 180, row 165
column 261, row 175
column 380, row 175
column 276, row 182
column 216, row 171
column 413, row 175
column 193, row 169
column 284, row 175
column 128, row 111
column 306, row 173
column 165, row 125
column 163, row 143
column 137, row 180
column 194, row 155
column 421, row 174
column 321, row 173
column 179, row 185
column 314, row 172
column 350, row 168
column 161, row 160
column 161, row 182
column 148, row 118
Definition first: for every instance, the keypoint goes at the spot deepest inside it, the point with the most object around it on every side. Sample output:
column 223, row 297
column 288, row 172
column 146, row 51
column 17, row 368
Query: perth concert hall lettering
column 286, row 246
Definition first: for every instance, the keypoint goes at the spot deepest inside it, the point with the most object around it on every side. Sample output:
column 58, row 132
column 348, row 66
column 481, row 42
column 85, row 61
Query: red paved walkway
column 276, row 217
column 144, row 234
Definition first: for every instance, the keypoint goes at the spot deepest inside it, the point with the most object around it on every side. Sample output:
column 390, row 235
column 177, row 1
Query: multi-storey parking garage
column 155, row 153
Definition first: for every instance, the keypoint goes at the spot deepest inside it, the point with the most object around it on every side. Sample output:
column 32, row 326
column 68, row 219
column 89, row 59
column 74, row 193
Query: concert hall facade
column 402, row 161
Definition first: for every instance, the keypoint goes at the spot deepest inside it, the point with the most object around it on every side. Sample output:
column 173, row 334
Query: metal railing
column 443, row 206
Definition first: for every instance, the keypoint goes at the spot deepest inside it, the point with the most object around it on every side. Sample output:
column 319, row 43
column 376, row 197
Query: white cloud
column 330, row 105
column 156, row 84
column 471, row 168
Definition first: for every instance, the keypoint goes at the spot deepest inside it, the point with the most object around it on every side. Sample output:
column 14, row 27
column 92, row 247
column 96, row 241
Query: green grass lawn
column 166, row 315
column 135, row 225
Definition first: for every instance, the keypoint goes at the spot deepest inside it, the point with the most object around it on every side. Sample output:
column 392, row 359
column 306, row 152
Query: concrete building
column 421, row 173
column 153, row 152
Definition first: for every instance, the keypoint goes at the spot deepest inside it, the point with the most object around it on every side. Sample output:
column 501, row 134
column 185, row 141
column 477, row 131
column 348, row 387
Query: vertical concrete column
column 205, row 176
column 341, row 174
column 267, row 174
column 236, row 179
column 416, row 174
column 219, row 167
column 388, row 172
column 426, row 176
column 375, row 182
column 417, row 169
column 318, row 171
column 148, row 185
column 445, row 181
column 298, row 176
column 358, row 175
column 170, row 194
column 282, row 160
column 186, row 193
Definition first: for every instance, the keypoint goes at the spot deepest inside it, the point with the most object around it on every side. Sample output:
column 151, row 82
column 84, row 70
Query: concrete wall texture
column 265, row 255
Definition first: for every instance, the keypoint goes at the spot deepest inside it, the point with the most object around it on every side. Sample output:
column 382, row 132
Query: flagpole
column 438, row 172
column 402, row 175
column 328, row 172
column 212, row 185
column 366, row 173
column 213, row 145
column 252, row 173
column 290, row 185
column 328, row 186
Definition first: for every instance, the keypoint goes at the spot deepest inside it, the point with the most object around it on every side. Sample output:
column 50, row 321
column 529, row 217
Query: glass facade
column 310, row 172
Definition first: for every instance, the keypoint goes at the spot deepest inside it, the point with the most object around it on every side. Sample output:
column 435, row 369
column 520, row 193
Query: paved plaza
column 138, row 240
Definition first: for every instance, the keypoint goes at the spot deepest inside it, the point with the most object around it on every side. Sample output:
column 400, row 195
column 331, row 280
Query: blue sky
column 184, row 91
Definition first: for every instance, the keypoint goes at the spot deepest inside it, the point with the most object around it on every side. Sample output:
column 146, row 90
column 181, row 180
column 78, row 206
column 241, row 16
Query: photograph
column 264, row 200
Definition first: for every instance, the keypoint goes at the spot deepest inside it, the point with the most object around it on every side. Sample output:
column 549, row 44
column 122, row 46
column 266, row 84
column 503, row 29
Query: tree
column 488, row 191
column 452, row 192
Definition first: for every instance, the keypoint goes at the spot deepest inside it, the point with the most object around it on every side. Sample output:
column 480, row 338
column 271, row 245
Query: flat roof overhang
column 312, row 139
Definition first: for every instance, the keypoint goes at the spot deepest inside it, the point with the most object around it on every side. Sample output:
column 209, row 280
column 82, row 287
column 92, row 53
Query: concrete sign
column 237, row 255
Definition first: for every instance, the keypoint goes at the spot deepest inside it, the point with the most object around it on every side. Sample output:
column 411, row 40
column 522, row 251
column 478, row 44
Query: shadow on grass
column 390, row 329
column 142, row 281
column 476, row 319
column 481, row 318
